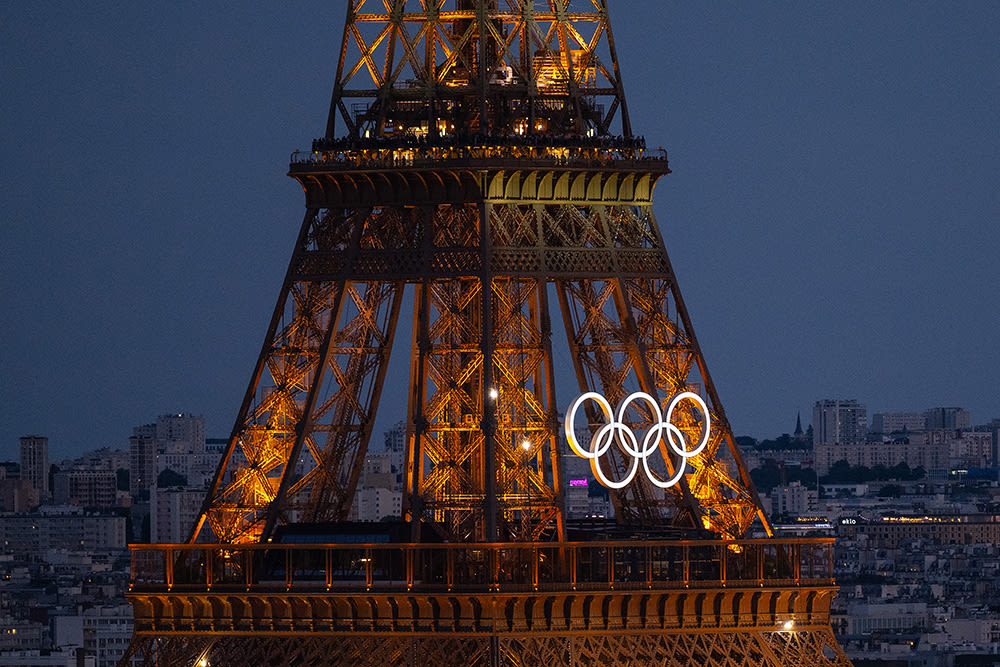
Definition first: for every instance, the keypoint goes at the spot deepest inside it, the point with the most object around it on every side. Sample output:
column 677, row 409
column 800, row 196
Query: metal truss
column 482, row 460
column 634, row 332
column 478, row 172
column 486, row 66
column 735, row 648
column 483, row 448
column 810, row 647
column 299, row 442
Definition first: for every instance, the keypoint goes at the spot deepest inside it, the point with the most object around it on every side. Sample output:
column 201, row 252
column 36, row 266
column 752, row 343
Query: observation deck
column 491, row 153
column 459, row 170
column 777, row 585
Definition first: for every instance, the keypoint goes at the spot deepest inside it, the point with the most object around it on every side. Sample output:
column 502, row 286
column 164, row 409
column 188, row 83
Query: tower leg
column 301, row 436
column 462, row 399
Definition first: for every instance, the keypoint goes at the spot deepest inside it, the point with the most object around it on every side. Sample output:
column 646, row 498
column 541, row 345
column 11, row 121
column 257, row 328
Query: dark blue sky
column 832, row 216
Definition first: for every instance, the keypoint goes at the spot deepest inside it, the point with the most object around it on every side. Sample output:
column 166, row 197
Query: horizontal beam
column 470, row 15
column 307, row 164
column 770, row 609
column 416, row 264
column 497, row 567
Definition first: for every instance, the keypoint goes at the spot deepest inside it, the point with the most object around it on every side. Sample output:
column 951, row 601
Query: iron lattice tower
column 479, row 155
column 479, row 165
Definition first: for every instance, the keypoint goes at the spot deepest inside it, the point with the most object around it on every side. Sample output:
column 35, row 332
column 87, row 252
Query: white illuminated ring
column 616, row 430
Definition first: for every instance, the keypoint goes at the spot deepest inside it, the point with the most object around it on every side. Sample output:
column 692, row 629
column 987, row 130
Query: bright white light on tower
column 617, row 432
column 788, row 625
column 494, row 394
column 526, row 444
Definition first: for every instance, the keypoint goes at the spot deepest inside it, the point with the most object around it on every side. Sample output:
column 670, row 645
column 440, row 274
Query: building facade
column 107, row 632
column 66, row 528
column 840, row 422
column 172, row 512
column 375, row 504
column 395, row 445
column 181, row 432
column 35, row 463
column 142, row 460
column 936, row 452
column 947, row 419
column 793, row 500
column 897, row 422
column 891, row 532
column 85, row 487
column 175, row 442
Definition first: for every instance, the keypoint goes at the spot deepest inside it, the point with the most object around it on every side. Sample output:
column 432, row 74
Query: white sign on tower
column 616, row 430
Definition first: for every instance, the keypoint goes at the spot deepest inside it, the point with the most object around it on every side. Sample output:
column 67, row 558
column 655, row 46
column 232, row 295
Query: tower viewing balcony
column 477, row 152
column 772, row 585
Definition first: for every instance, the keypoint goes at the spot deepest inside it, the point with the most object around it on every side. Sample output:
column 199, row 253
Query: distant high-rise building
column 839, row 422
column 897, row 422
column 971, row 449
column 216, row 445
column 176, row 442
column 953, row 419
column 53, row 527
column 17, row 495
column 181, row 432
column 172, row 512
column 145, row 431
column 375, row 504
column 85, row 487
column 395, row 445
column 142, row 459
column 35, row 463
column 377, row 472
column 105, row 458
column 106, row 634
column 794, row 500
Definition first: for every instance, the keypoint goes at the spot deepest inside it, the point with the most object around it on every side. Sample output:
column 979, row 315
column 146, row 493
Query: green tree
column 765, row 478
column 840, row 473
column 900, row 471
column 170, row 478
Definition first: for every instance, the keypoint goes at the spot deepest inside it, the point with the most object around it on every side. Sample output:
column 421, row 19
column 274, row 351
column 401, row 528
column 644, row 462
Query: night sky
column 832, row 215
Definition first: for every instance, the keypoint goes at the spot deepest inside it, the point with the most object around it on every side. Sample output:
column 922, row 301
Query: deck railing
column 501, row 567
column 310, row 162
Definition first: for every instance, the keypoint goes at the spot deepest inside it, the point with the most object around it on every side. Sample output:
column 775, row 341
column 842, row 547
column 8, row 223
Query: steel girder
column 482, row 246
column 479, row 66
column 464, row 408
column 482, row 461
column 733, row 647
column 632, row 334
column 300, row 438
column 479, row 166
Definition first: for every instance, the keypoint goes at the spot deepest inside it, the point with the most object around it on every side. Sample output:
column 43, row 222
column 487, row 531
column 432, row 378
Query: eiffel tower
column 479, row 164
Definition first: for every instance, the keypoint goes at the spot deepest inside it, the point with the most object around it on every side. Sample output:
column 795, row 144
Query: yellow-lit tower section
column 483, row 153
column 479, row 163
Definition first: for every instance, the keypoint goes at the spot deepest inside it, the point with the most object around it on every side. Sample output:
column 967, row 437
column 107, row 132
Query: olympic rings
column 617, row 430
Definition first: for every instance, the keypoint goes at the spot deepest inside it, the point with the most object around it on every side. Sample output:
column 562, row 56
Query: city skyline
column 828, row 216
column 378, row 443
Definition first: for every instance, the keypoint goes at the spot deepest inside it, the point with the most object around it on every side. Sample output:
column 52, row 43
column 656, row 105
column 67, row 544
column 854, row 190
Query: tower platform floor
column 710, row 603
